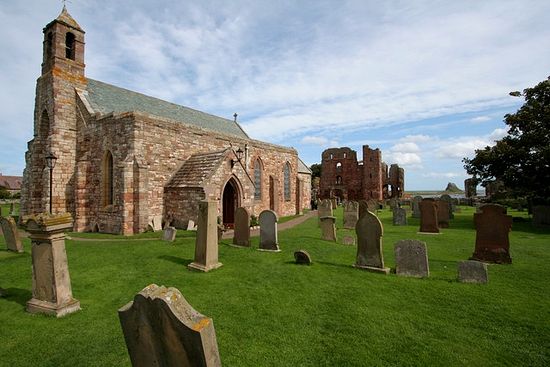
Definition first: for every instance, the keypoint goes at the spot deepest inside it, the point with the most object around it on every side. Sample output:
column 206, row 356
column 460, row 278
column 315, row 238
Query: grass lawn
column 268, row 311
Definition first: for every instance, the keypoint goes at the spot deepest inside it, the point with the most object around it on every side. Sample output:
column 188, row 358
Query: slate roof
column 302, row 168
column 11, row 182
column 65, row 17
column 105, row 98
column 197, row 169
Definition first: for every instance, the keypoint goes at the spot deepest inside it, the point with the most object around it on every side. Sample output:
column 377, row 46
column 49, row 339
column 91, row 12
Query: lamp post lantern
column 50, row 163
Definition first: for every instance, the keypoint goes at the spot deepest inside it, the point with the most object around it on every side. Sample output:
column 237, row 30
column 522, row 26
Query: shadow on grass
column 347, row 266
column 17, row 295
column 175, row 259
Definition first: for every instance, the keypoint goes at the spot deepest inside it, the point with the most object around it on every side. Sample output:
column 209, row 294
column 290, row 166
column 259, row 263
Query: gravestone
column 324, row 208
column 334, row 203
column 541, row 215
column 415, row 206
column 442, row 213
column 348, row 240
column 399, row 217
column 162, row 329
column 393, row 203
column 51, row 282
column 472, row 272
column 302, row 257
column 351, row 214
column 363, row 208
column 268, row 231
column 369, row 232
column 328, row 228
column 191, row 225
column 11, row 234
column 206, row 242
column 411, row 259
column 169, row 234
column 373, row 205
column 492, row 229
column 428, row 216
column 450, row 207
column 241, row 233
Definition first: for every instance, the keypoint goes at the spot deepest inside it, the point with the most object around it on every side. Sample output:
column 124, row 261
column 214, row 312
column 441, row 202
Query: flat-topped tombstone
column 472, row 272
column 162, row 329
column 11, row 234
column 492, row 230
column 241, row 234
column 324, row 208
column 348, row 240
column 428, row 216
column 411, row 259
column 399, row 217
column 447, row 198
column 302, row 257
column 206, row 242
column 328, row 228
column 351, row 214
column 169, row 234
column 442, row 213
column 191, row 225
column 268, row 231
column 369, row 232
column 415, row 204
column 51, row 282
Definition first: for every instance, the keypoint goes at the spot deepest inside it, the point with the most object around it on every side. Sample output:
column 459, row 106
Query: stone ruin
column 162, row 329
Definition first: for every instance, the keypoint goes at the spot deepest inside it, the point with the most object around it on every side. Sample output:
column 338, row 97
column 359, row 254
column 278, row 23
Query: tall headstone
column 51, row 282
column 411, row 259
column 268, row 231
column 450, row 206
column 415, row 203
column 206, row 242
column 399, row 217
column 169, row 234
column 162, row 329
column 328, row 228
column 428, row 216
column 11, row 235
column 351, row 214
column 492, row 230
column 369, row 244
column 472, row 272
column 324, row 208
column 241, row 234
column 442, row 213
column 363, row 208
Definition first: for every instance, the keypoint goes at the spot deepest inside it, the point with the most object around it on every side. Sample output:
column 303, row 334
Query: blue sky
column 427, row 82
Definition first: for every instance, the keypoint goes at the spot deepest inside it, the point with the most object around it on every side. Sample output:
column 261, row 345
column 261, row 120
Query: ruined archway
column 230, row 202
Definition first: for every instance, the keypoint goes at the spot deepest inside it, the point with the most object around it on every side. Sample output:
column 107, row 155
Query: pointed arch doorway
column 230, row 203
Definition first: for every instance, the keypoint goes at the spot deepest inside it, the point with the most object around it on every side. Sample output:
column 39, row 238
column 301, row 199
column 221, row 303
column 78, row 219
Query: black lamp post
column 50, row 163
column 239, row 154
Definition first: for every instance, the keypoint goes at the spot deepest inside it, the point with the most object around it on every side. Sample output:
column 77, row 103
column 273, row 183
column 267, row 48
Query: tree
column 315, row 170
column 4, row 193
column 520, row 160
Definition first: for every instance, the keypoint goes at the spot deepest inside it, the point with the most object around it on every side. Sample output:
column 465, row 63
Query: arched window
column 338, row 180
column 258, row 180
column 69, row 46
column 286, row 174
column 338, row 167
column 108, row 187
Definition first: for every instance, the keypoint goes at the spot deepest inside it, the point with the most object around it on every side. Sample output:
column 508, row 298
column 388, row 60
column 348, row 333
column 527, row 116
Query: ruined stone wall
column 340, row 171
column 373, row 175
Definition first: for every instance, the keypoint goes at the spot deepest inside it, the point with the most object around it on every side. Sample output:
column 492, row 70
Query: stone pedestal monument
column 206, row 243
column 51, row 283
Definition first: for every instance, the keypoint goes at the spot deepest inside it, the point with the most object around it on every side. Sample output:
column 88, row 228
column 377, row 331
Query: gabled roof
column 197, row 169
column 105, row 98
column 65, row 18
column 11, row 182
column 302, row 168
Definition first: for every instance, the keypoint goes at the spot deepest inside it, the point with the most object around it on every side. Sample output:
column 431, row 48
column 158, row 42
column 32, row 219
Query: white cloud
column 416, row 138
column 460, row 149
column 318, row 140
column 407, row 147
column 498, row 134
column 404, row 159
column 480, row 119
column 442, row 174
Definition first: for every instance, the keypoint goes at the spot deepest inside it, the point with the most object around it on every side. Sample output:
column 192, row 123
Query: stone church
column 125, row 159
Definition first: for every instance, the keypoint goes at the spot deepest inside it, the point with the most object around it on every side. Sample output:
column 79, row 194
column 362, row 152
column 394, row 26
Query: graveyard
column 269, row 311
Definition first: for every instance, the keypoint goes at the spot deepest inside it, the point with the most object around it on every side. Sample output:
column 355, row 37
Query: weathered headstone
column 162, row 329
column 206, row 242
column 348, row 240
column 450, row 207
column 399, row 217
column 442, row 213
column 363, row 208
column 372, row 205
column 411, row 258
column 428, row 216
column 241, row 234
column 268, row 231
column 325, row 208
column 541, row 215
column 302, row 257
column 328, row 228
column 393, row 203
column 51, row 282
column 472, row 272
column 492, row 229
column 415, row 206
column 369, row 244
column 334, row 203
column 11, row 234
column 169, row 234
column 155, row 223
column 191, row 225
column 351, row 214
